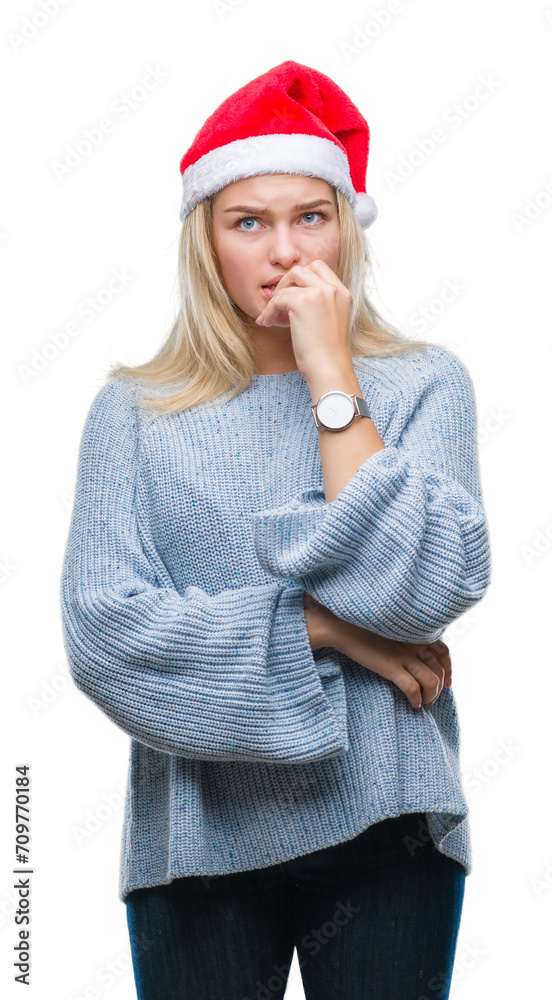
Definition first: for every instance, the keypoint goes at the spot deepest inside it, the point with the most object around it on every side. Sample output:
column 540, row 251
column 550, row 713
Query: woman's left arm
column 404, row 548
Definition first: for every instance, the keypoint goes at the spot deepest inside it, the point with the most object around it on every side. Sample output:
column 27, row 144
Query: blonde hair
column 210, row 351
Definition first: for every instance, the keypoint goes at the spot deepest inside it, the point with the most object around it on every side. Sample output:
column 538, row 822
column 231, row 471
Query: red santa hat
column 290, row 120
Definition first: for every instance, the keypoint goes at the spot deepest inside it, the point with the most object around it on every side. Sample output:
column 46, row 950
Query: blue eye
column 252, row 218
column 246, row 218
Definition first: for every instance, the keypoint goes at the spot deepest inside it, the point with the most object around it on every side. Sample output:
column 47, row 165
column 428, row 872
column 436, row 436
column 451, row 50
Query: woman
column 274, row 521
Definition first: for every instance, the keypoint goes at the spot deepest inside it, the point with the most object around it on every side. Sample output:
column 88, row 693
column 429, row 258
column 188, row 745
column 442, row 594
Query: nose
column 284, row 250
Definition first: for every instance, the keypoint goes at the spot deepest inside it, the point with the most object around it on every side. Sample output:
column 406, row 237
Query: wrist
column 342, row 378
column 318, row 619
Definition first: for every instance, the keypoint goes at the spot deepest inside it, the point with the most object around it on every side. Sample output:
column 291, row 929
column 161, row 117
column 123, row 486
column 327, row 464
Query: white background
column 476, row 212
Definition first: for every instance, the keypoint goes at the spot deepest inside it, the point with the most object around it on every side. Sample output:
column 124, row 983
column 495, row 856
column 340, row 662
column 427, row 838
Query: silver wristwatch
column 335, row 410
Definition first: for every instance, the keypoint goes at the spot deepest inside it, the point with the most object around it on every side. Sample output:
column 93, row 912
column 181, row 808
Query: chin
column 252, row 310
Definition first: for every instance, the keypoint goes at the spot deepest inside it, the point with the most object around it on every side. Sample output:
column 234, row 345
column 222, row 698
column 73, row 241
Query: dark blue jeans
column 373, row 918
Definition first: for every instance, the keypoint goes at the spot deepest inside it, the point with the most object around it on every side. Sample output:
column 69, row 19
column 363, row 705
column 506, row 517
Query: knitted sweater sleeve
column 404, row 548
column 223, row 677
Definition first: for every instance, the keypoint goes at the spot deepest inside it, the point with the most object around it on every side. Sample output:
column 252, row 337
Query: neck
column 274, row 350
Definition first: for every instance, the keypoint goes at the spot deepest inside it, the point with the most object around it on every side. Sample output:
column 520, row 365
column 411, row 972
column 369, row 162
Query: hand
column 420, row 670
column 320, row 310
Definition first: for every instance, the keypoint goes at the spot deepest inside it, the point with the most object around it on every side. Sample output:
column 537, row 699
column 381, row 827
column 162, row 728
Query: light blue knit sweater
column 192, row 539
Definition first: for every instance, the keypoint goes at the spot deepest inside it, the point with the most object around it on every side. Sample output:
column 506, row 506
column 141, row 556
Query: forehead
column 274, row 188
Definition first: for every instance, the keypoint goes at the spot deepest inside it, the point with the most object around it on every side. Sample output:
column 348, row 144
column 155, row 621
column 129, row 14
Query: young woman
column 275, row 520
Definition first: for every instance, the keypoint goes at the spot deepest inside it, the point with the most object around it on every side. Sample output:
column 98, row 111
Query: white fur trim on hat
column 366, row 209
column 273, row 154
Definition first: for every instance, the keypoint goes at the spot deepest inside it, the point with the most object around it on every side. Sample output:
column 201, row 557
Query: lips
column 268, row 289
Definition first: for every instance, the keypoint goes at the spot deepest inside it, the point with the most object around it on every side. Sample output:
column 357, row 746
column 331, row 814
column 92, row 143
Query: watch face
column 335, row 409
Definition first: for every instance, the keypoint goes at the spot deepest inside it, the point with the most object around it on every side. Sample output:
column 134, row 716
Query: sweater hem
column 449, row 833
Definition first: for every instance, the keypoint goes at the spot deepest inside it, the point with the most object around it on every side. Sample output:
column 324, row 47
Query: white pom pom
column 365, row 209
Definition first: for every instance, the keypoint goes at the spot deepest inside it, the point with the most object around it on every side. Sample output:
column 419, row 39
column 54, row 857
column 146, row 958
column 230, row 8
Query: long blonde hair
column 209, row 350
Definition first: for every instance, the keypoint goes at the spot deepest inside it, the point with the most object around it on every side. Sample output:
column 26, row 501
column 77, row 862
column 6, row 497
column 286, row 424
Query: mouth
column 269, row 288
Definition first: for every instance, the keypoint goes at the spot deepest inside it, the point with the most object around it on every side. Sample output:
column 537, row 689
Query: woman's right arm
column 419, row 670
column 227, row 676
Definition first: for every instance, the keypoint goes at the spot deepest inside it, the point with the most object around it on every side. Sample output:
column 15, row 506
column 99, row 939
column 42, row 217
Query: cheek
column 228, row 259
column 236, row 269
column 327, row 247
column 238, row 263
column 234, row 273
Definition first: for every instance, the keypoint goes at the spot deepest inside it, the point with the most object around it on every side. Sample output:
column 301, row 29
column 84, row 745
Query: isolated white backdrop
column 474, row 212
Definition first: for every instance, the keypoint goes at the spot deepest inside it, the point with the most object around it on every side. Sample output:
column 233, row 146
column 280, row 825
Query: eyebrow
column 262, row 211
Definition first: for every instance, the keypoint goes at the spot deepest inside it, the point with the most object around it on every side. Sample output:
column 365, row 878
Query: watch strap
column 361, row 405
